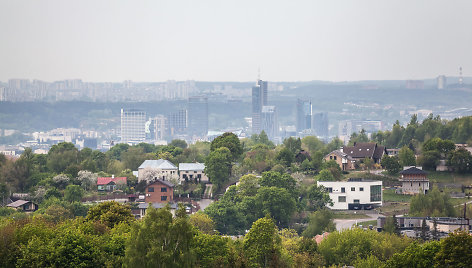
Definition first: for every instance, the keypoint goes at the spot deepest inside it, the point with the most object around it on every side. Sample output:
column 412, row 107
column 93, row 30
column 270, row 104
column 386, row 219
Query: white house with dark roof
column 192, row 172
column 157, row 169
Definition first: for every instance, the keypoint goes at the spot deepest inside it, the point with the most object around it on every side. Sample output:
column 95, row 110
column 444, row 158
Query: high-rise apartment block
column 320, row 124
column 269, row 121
column 304, row 115
column 133, row 126
column 158, row 127
column 177, row 122
column 441, row 82
column 259, row 99
column 197, row 116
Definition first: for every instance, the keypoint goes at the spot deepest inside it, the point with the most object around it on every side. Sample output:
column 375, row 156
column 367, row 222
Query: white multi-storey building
column 354, row 193
column 133, row 126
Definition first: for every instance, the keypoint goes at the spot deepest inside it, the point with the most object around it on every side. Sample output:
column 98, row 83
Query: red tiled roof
column 107, row 180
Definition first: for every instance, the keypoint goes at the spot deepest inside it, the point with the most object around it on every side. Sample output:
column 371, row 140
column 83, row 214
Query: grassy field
column 394, row 208
column 389, row 195
column 367, row 223
column 449, row 177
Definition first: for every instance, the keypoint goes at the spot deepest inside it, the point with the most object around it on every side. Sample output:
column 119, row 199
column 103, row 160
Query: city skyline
column 230, row 41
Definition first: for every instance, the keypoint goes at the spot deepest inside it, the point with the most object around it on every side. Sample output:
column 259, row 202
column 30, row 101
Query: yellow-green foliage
column 347, row 246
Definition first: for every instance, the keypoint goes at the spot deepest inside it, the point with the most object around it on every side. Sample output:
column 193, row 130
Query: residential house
column 159, row 191
column 24, row 205
column 362, row 150
column 192, row 172
column 344, row 161
column 393, row 152
column 414, row 181
column 143, row 207
column 157, row 169
column 355, row 193
column 443, row 224
column 110, row 184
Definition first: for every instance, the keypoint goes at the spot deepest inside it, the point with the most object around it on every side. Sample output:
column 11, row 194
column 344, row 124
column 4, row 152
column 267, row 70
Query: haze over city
column 231, row 40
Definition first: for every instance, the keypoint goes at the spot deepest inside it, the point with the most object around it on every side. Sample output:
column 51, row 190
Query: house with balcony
column 160, row 169
column 192, row 172
column 414, row 181
column 344, row 161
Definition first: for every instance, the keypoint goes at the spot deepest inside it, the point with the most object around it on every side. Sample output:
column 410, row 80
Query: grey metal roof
column 158, row 205
column 18, row 203
column 191, row 166
column 158, row 164
column 166, row 183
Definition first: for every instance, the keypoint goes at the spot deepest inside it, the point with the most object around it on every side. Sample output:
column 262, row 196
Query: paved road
column 342, row 224
column 204, row 203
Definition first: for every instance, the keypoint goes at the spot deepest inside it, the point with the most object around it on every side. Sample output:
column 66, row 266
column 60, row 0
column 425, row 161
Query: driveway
column 204, row 203
column 342, row 224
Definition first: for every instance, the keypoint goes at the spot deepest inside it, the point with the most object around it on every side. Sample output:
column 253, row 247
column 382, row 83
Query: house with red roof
column 110, row 184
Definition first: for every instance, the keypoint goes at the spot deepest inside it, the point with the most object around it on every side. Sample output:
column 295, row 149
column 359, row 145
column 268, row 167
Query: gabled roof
column 413, row 171
column 365, row 149
column 191, row 166
column 158, row 164
column 166, row 183
column 340, row 154
column 18, row 203
column 107, row 180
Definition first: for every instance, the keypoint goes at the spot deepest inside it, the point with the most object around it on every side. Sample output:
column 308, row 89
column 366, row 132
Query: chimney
column 113, row 176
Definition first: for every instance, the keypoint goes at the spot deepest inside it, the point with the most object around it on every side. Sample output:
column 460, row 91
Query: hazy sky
column 217, row 40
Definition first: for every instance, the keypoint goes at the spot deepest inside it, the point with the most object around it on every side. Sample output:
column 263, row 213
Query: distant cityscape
column 275, row 109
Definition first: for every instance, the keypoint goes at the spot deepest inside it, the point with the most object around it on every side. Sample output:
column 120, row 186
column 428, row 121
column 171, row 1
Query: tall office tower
column 320, row 124
column 441, row 82
column 304, row 114
column 269, row 121
column 133, row 125
column 177, row 122
column 158, row 127
column 197, row 116
column 3, row 94
column 259, row 99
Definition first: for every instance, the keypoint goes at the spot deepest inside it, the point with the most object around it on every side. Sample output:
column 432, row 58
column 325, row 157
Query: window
column 163, row 198
column 353, row 189
column 341, row 199
column 163, row 189
column 356, row 201
column 330, row 190
column 375, row 193
column 195, row 172
column 199, row 176
column 343, row 190
column 331, row 157
column 361, row 189
column 150, row 189
column 335, row 158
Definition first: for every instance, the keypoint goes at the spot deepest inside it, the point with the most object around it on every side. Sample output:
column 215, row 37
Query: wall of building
column 353, row 191
column 155, row 192
column 414, row 187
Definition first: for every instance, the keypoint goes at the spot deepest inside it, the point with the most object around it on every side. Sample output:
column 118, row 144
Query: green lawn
column 367, row 223
column 449, row 177
column 389, row 195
